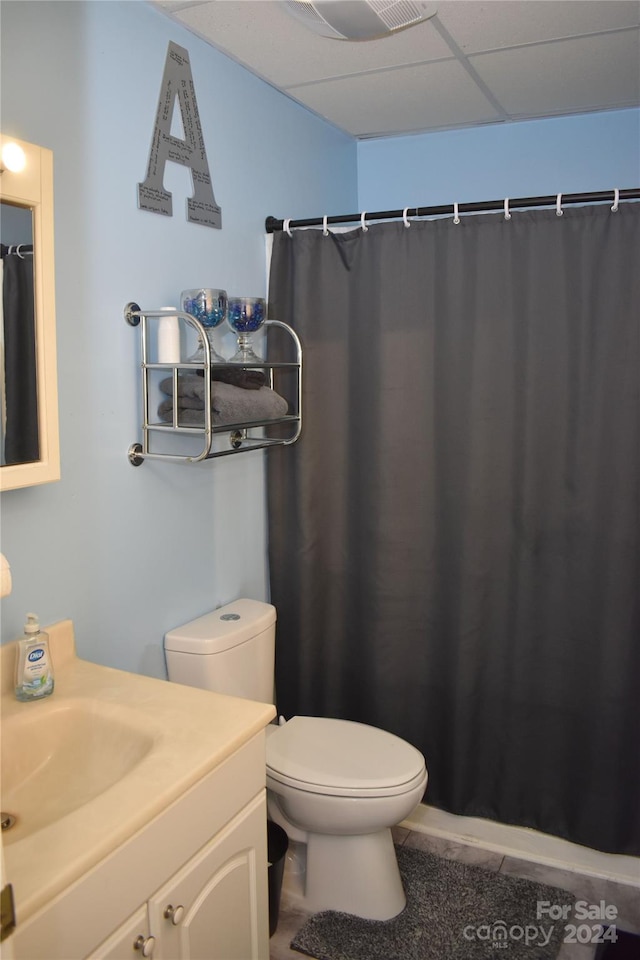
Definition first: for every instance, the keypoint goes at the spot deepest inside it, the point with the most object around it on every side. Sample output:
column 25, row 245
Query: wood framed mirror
column 30, row 451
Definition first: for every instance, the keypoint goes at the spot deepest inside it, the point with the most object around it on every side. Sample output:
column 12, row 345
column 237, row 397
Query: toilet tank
column 230, row 650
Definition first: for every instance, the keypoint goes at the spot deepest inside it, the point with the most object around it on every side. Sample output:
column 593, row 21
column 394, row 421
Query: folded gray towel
column 189, row 385
column 247, row 379
column 229, row 404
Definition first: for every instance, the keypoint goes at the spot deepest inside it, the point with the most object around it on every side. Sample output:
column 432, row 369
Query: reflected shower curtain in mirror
column 453, row 542
column 20, row 397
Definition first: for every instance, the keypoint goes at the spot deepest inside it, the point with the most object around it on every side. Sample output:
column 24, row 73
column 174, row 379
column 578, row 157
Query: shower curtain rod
column 273, row 225
column 5, row 250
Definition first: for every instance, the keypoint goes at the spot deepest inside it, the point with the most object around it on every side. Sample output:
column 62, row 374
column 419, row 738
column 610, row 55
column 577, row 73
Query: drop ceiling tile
column 261, row 35
column 533, row 58
column 477, row 26
column 587, row 73
column 427, row 96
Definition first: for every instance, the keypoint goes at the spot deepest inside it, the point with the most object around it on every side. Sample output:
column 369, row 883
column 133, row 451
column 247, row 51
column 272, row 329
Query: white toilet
column 335, row 785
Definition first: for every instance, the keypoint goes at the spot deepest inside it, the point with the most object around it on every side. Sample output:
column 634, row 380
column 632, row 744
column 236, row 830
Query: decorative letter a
column 190, row 152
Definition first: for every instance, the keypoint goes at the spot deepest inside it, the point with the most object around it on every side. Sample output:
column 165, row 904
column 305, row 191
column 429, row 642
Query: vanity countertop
column 182, row 734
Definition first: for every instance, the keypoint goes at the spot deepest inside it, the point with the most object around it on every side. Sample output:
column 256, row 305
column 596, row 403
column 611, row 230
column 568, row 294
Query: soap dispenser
column 34, row 669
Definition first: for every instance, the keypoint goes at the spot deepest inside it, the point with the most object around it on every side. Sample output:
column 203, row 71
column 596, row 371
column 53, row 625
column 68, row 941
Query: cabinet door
column 216, row 907
column 121, row 945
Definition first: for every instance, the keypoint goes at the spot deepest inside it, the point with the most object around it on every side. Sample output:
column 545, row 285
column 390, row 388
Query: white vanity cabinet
column 209, row 908
column 191, row 884
column 129, row 940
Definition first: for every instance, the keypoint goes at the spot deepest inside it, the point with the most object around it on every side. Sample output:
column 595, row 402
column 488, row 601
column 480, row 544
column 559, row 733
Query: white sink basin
column 57, row 759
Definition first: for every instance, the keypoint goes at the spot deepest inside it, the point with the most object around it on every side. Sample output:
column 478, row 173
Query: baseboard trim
column 524, row 844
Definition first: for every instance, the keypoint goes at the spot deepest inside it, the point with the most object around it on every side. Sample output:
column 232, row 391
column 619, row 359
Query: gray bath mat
column 454, row 912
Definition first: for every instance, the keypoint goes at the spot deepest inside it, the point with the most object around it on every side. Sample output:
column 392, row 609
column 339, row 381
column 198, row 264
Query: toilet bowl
column 336, row 785
column 339, row 787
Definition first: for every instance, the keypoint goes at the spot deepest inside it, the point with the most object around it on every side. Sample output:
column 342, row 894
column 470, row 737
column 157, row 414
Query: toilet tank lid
column 226, row 627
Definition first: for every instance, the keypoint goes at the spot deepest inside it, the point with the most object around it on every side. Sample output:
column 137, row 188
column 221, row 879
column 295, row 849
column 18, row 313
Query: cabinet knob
column 145, row 945
column 175, row 914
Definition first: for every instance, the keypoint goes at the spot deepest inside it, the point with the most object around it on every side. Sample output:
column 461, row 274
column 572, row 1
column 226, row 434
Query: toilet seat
column 342, row 758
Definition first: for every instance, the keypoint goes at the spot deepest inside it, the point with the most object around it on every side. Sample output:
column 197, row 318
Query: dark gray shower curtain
column 453, row 542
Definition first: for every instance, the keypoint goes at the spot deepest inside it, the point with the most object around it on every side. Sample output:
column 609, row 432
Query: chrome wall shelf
column 285, row 376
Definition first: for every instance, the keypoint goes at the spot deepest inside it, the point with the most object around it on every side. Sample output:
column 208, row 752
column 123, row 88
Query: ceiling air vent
column 359, row 19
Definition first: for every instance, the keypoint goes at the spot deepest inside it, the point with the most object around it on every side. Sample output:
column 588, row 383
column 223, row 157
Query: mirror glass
column 19, row 430
column 29, row 447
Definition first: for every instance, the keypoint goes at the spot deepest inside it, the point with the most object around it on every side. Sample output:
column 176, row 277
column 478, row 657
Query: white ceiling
column 475, row 62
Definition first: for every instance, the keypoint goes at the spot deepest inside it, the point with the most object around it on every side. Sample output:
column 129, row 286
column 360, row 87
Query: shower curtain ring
column 325, row 229
column 456, row 218
column 286, row 227
column 616, row 200
column 559, row 210
column 405, row 217
column 18, row 250
column 362, row 223
column 507, row 215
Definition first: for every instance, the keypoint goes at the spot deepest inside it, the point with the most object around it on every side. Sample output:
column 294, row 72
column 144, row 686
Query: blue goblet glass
column 209, row 306
column 245, row 316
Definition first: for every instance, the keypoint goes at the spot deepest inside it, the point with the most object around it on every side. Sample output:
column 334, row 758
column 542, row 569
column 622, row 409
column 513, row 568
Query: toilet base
column 357, row 875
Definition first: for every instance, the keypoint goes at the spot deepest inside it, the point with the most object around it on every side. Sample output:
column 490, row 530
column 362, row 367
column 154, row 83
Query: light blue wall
column 128, row 553
column 597, row 151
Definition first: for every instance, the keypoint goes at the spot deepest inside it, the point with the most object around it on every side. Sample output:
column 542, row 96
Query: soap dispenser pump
column 34, row 669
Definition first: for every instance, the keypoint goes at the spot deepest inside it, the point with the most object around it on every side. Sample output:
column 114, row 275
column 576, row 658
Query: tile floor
column 591, row 889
